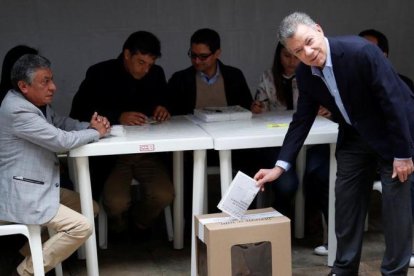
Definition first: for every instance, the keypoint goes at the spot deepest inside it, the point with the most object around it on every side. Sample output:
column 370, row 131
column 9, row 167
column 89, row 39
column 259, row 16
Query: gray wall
column 76, row 34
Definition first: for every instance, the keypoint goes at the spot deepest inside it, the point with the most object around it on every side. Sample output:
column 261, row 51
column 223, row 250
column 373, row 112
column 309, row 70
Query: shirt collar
column 213, row 79
column 328, row 62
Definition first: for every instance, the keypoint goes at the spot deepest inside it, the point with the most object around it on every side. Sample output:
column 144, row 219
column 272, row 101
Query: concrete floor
column 155, row 256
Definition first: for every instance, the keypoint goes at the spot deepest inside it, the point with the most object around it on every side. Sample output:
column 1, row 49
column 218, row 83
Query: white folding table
column 176, row 135
column 262, row 131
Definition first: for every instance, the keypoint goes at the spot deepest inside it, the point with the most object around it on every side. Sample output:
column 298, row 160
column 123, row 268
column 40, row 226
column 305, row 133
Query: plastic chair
column 103, row 223
column 32, row 233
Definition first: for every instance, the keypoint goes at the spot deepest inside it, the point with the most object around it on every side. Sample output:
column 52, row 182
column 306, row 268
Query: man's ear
column 319, row 28
column 23, row 86
column 127, row 54
column 217, row 53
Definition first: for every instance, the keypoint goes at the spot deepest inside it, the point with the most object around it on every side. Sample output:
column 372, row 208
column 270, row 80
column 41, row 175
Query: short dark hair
column 143, row 42
column 25, row 67
column 382, row 39
column 206, row 36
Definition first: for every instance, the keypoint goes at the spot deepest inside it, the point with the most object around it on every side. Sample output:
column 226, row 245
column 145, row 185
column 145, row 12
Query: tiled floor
column 155, row 256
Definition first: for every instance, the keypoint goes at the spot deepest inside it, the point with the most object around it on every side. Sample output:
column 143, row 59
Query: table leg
column 85, row 192
column 300, row 199
column 198, row 197
column 226, row 172
column 178, row 164
column 331, row 223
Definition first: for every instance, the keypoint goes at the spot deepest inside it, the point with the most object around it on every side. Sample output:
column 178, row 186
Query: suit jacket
column 29, row 167
column 379, row 104
column 110, row 90
column 182, row 89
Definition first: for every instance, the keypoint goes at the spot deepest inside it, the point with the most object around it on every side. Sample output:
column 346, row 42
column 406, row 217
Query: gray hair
column 290, row 23
column 25, row 67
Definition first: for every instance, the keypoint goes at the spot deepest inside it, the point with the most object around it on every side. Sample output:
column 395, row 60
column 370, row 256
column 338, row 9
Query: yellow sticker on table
column 271, row 125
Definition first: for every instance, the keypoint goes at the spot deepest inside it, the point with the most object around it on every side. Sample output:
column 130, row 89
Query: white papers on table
column 152, row 121
column 223, row 113
column 238, row 196
column 118, row 130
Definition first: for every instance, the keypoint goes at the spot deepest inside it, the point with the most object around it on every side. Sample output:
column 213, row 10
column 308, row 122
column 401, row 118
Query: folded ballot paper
column 223, row 113
column 117, row 130
column 239, row 196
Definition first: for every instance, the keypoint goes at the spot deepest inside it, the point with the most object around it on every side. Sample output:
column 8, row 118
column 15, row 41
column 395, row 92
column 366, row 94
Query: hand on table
column 133, row 118
column 161, row 114
column 100, row 123
column 257, row 107
column 324, row 112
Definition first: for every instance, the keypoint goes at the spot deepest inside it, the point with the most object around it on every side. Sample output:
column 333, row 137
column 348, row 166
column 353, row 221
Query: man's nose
column 147, row 67
column 52, row 86
column 308, row 50
column 197, row 60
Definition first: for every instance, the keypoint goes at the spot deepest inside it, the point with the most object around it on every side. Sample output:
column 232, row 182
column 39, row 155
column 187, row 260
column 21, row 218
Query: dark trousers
column 356, row 168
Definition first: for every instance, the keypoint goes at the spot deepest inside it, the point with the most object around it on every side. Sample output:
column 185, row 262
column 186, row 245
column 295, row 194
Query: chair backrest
column 14, row 229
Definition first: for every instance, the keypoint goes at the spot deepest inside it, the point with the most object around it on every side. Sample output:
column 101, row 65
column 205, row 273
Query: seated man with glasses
column 208, row 82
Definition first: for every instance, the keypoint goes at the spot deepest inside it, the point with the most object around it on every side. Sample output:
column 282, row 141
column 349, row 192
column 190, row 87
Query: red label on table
column 149, row 147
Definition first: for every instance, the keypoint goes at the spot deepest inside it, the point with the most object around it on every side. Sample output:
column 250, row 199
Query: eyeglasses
column 201, row 57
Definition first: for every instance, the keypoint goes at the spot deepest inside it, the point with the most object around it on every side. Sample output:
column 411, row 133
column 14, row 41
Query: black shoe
column 16, row 262
column 51, row 273
column 140, row 235
column 115, row 236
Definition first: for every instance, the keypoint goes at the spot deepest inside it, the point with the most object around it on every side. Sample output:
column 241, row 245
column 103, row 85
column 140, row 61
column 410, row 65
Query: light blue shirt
column 211, row 80
column 327, row 75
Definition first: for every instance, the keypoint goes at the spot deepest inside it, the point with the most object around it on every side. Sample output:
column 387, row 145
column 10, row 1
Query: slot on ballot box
column 259, row 244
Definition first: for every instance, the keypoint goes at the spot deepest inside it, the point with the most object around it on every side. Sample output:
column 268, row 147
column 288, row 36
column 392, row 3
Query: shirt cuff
column 402, row 158
column 283, row 164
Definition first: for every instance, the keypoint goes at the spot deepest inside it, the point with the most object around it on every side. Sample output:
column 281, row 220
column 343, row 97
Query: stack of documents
column 223, row 113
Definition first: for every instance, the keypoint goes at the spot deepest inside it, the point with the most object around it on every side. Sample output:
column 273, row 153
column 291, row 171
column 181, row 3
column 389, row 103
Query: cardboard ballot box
column 259, row 244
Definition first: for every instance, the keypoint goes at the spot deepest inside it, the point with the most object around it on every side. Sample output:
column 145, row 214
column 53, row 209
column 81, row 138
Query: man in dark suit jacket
column 375, row 112
column 208, row 82
column 381, row 41
column 129, row 90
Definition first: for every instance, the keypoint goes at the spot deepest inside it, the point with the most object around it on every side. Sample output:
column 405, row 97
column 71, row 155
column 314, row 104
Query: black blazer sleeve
column 235, row 85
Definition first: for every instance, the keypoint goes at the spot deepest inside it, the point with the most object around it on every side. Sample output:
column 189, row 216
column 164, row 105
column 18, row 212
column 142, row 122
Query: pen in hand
column 258, row 106
column 212, row 109
column 257, row 98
